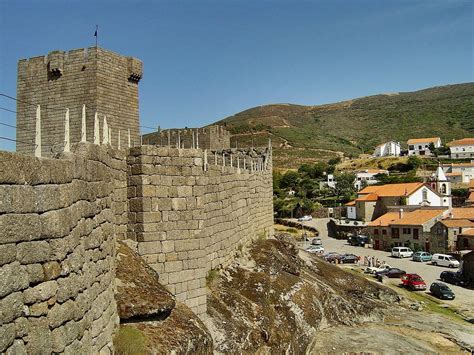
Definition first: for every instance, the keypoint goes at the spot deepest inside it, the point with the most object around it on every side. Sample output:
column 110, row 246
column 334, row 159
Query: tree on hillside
column 345, row 188
column 289, row 180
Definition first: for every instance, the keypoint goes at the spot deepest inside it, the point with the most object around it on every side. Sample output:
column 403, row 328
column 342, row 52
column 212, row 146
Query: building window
column 425, row 195
column 384, row 231
column 406, row 230
column 415, row 233
column 395, row 233
column 443, row 188
column 376, row 232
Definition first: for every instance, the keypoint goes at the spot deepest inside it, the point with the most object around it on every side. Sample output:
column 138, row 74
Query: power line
column 14, row 98
column 6, row 109
column 14, row 140
column 8, row 125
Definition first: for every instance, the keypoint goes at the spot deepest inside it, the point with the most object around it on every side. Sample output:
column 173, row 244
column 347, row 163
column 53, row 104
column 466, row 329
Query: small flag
column 96, row 28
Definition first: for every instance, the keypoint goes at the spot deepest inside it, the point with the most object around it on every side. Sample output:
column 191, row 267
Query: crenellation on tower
column 104, row 81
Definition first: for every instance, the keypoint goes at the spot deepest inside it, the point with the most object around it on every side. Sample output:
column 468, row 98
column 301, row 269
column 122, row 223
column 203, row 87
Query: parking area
column 464, row 297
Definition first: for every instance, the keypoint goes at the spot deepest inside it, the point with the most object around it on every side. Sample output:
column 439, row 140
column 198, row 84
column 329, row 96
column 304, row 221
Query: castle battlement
column 102, row 80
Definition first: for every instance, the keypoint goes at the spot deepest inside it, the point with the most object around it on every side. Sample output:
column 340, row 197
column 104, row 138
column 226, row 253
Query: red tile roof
column 464, row 141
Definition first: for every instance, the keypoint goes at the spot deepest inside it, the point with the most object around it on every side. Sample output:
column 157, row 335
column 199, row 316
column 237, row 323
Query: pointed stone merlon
column 38, row 132
column 197, row 138
column 223, row 159
column 67, row 142
column 192, row 134
column 110, row 136
column 231, row 162
column 105, row 131
column 96, row 129
column 169, row 139
column 179, row 139
column 205, row 159
column 83, row 125
column 129, row 140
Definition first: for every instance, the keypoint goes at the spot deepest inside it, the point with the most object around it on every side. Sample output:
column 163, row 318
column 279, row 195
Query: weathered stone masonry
column 58, row 222
column 59, row 219
column 187, row 219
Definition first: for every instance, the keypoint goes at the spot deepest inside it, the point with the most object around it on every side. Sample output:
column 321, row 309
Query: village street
column 464, row 297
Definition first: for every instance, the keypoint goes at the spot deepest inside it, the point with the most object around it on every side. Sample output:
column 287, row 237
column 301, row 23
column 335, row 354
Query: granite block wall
column 190, row 211
column 58, row 222
column 213, row 137
column 104, row 81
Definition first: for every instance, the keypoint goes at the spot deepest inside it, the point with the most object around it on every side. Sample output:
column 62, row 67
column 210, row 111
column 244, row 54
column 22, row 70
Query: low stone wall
column 188, row 217
column 58, row 221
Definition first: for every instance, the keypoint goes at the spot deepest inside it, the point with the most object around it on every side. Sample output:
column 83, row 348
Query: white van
column 444, row 260
column 402, row 252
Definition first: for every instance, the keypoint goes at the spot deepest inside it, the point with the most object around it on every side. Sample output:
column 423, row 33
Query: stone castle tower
column 104, row 81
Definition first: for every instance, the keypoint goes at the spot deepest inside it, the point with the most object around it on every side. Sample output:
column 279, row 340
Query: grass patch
column 129, row 341
column 211, row 276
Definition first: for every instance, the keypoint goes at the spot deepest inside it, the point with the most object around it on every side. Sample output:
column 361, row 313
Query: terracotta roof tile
column 468, row 232
column 464, row 141
column 463, row 213
column 418, row 217
column 471, row 197
column 392, row 190
column 385, row 220
column 368, row 197
column 423, row 140
column 456, row 223
column 351, row 203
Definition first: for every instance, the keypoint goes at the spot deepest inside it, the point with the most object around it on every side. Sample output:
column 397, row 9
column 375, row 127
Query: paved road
column 464, row 297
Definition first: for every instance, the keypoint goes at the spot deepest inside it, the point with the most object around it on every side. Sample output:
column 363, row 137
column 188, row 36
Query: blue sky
column 207, row 59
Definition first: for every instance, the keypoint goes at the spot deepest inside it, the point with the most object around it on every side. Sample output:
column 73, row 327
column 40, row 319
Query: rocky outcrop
column 139, row 294
column 144, row 304
column 272, row 300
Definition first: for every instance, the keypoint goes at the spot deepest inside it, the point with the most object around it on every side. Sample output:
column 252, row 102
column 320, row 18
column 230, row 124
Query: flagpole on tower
column 96, row 34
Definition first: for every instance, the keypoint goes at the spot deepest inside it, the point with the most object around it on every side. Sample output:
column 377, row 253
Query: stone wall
column 191, row 211
column 58, row 221
column 104, row 81
column 211, row 137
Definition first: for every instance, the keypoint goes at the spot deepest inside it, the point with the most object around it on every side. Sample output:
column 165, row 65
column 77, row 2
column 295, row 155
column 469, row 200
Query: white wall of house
column 429, row 198
column 462, row 151
column 368, row 177
column 422, row 148
column 465, row 169
column 387, row 149
column 351, row 212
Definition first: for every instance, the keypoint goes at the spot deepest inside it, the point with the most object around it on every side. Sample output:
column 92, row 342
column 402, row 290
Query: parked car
column 392, row 272
column 316, row 241
column 349, row 259
column 318, row 249
column 414, row 282
column 422, row 256
column 453, row 277
column 375, row 269
column 358, row 240
column 305, row 218
column 332, row 257
column 402, row 252
column 441, row 291
column 444, row 260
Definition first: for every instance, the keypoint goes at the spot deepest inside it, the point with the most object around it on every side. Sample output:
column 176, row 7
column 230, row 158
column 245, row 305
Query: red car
column 413, row 282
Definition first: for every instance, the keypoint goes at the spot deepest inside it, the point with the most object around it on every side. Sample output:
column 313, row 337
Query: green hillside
column 311, row 133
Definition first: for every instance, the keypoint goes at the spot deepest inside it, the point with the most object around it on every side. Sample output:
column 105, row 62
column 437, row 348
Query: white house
column 351, row 210
column 330, row 182
column 459, row 172
column 420, row 146
column 387, row 149
column 462, row 148
column 367, row 177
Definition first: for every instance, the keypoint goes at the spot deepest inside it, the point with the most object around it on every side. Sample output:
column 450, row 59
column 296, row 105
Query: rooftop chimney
column 400, row 213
